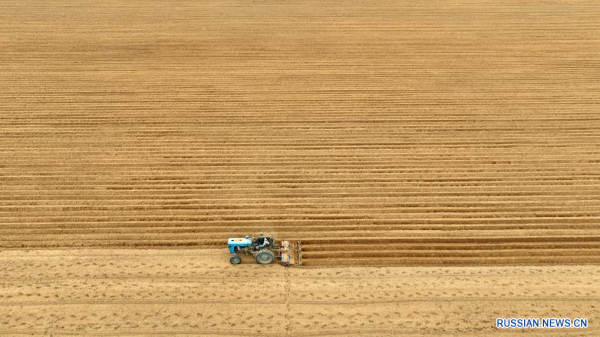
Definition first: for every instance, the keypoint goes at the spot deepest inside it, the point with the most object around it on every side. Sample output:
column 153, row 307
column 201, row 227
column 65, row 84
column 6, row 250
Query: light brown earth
column 409, row 135
column 197, row 292
column 468, row 131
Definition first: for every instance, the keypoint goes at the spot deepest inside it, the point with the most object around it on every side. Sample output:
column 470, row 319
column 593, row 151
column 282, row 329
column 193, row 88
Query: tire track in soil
column 288, row 304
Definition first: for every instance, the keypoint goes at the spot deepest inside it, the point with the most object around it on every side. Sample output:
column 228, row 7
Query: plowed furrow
column 393, row 133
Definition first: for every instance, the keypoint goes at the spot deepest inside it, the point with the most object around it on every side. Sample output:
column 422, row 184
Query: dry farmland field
column 439, row 160
column 117, row 292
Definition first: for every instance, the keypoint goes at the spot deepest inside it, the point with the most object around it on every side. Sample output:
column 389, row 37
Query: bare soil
column 197, row 292
column 457, row 139
column 443, row 132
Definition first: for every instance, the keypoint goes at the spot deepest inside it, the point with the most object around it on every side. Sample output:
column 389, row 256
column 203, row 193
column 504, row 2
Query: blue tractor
column 261, row 247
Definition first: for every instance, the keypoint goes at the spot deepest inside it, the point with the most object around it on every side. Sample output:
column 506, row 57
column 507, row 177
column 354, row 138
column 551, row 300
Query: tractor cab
column 264, row 241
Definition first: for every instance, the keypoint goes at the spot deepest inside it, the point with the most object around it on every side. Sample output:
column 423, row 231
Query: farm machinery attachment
column 265, row 250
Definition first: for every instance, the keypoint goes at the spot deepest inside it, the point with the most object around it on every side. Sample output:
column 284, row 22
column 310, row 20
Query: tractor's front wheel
column 236, row 259
column 265, row 257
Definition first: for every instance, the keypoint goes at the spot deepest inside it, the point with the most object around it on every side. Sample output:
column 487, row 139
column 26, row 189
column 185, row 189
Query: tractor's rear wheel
column 236, row 259
column 265, row 257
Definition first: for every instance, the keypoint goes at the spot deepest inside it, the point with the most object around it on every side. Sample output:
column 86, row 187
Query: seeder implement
column 290, row 253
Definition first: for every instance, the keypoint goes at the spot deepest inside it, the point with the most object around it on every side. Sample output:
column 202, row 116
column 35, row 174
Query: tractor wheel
column 236, row 259
column 265, row 257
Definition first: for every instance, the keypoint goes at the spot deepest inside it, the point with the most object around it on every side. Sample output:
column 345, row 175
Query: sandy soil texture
column 468, row 131
column 196, row 292
column 399, row 140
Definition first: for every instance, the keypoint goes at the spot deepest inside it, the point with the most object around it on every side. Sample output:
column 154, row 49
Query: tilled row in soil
column 386, row 134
